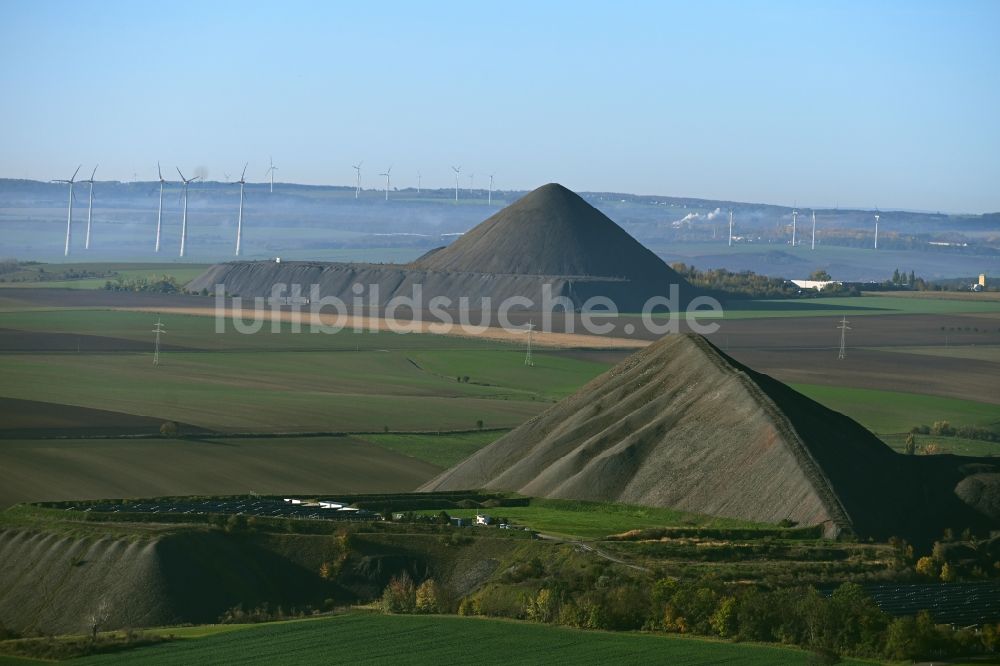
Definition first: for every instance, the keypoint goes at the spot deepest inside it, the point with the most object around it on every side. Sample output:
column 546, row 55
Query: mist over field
column 328, row 223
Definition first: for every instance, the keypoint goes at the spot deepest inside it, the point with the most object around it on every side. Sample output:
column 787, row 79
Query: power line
column 157, row 330
column 844, row 328
column 527, row 357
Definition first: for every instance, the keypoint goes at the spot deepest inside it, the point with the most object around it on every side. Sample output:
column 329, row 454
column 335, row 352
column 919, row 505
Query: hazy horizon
column 855, row 106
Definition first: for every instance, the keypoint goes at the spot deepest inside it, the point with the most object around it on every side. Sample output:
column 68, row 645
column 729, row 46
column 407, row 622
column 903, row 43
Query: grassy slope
column 895, row 412
column 64, row 469
column 369, row 639
column 593, row 519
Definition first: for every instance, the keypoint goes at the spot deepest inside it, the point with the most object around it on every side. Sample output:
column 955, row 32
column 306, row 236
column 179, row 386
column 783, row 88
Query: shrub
column 928, row 567
column 399, row 595
column 544, row 607
column 428, row 597
column 168, row 429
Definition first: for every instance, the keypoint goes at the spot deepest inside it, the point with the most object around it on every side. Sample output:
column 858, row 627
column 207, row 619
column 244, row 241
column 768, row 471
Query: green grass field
column 197, row 332
column 598, row 519
column 851, row 306
column 557, row 377
column 414, row 639
column 857, row 305
column 973, row 352
column 285, row 391
column 442, row 450
column 896, row 412
column 959, row 446
column 30, row 276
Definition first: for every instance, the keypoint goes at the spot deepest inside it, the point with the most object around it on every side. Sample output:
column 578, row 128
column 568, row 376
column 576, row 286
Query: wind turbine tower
column 844, row 328
column 90, row 206
column 386, row 174
column 795, row 215
column 159, row 211
column 239, row 220
column 184, row 217
column 270, row 171
column 876, row 228
column 489, row 199
column 814, row 232
column 730, row 227
column 457, row 171
column 357, row 169
column 418, row 182
column 69, row 216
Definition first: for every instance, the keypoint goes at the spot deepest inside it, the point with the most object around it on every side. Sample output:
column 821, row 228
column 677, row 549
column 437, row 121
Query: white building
column 818, row 285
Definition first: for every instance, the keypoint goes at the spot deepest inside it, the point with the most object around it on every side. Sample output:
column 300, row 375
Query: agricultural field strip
column 300, row 390
column 408, row 639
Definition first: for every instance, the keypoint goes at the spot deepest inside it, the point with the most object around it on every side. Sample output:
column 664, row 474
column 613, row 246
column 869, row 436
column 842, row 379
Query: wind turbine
column 795, row 215
column 159, row 211
column 90, row 206
column 489, row 200
column 418, row 182
column 814, row 232
column 270, row 171
column 386, row 174
column 457, row 171
column 69, row 217
column 239, row 221
column 472, row 181
column 876, row 228
column 184, row 218
column 357, row 168
column 730, row 227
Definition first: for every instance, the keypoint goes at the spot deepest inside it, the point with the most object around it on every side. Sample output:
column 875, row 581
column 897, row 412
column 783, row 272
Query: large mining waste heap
column 681, row 425
column 549, row 236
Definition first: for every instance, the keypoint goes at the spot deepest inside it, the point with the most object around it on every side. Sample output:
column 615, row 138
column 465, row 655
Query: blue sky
column 894, row 104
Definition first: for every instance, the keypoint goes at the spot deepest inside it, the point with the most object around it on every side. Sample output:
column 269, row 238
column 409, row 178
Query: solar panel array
column 247, row 507
column 959, row 604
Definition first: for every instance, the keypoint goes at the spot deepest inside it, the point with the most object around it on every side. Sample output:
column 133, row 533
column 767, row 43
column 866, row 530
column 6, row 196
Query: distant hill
column 681, row 425
column 548, row 237
column 550, row 231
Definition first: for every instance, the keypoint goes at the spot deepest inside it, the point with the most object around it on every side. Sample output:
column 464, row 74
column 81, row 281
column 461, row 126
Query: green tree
column 911, row 444
column 820, row 275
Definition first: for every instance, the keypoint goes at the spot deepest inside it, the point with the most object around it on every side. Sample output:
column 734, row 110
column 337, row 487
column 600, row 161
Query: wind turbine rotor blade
column 180, row 174
column 93, row 172
column 243, row 177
